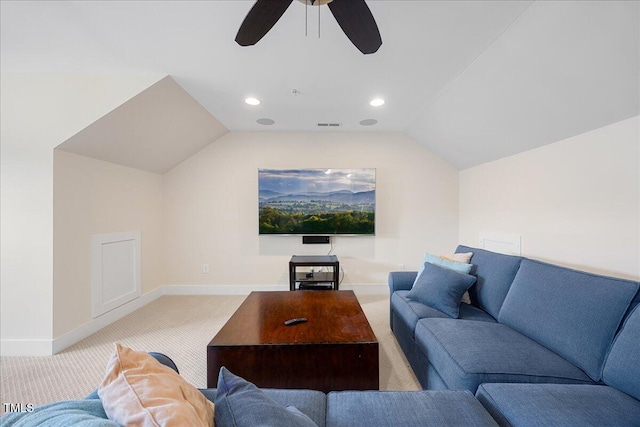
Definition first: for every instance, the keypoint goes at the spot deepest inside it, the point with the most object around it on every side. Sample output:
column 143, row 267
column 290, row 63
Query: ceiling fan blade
column 260, row 19
column 357, row 22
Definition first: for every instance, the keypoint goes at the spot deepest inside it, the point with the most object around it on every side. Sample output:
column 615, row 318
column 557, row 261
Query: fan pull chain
column 318, row 19
column 306, row 19
column 306, row 6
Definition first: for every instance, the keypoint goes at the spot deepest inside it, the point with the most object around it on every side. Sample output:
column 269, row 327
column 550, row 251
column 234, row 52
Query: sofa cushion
column 139, row 390
column 559, row 405
column 312, row 403
column 621, row 369
column 572, row 313
column 495, row 272
column 467, row 353
column 397, row 408
column 412, row 311
column 240, row 403
column 441, row 288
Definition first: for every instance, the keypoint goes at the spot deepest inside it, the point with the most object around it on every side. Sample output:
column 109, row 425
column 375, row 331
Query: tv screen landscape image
column 317, row 201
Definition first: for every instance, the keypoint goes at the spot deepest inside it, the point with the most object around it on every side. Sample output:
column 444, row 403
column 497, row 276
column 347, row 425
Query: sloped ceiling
column 472, row 81
column 154, row 131
column 562, row 69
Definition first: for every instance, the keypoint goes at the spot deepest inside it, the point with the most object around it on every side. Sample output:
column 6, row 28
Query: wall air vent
column 328, row 125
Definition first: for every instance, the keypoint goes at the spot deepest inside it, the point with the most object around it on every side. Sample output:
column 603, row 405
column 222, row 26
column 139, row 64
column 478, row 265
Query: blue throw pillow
column 441, row 288
column 451, row 265
column 239, row 403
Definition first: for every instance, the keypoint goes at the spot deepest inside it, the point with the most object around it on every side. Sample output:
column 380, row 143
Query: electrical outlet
column 205, row 268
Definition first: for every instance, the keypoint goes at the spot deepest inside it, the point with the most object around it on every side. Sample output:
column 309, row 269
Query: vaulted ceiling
column 472, row 81
column 153, row 131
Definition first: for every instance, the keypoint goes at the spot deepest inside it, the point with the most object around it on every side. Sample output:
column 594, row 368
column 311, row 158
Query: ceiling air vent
column 328, row 125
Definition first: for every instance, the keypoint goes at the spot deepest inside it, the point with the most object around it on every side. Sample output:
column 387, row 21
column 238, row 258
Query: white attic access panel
column 115, row 270
column 504, row 243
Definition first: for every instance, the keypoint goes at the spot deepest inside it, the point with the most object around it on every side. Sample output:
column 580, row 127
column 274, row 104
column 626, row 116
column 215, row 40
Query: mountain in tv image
column 343, row 196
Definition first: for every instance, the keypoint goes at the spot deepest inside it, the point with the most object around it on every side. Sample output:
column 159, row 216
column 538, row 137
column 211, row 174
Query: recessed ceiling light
column 265, row 121
column 252, row 101
column 368, row 122
column 376, row 102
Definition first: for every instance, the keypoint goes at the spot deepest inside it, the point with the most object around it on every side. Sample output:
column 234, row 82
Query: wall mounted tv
column 317, row 201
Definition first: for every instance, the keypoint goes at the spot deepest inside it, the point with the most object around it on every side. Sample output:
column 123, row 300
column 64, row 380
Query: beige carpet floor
column 179, row 326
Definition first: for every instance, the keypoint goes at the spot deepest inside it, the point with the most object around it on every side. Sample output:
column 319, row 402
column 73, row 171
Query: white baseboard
column 358, row 288
column 219, row 289
column 9, row 347
column 106, row 319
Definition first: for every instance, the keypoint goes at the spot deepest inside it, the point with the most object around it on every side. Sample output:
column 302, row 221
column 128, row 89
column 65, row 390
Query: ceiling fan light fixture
column 376, row 102
column 353, row 16
column 252, row 101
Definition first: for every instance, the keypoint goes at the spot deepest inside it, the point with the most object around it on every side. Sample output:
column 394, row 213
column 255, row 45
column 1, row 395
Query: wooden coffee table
column 335, row 349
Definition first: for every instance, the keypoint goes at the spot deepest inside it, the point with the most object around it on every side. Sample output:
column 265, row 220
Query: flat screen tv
column 317, row 201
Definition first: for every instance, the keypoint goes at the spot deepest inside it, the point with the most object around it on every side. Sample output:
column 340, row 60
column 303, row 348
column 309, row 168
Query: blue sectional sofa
column 539, row 345
column 246, row 405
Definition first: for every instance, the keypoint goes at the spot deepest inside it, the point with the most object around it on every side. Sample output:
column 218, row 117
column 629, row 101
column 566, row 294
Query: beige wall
column 574, row 202
column 211, row 207
column 96, row 197
column 39, row 111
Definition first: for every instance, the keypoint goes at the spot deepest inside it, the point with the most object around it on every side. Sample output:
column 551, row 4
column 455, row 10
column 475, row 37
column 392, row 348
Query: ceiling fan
column 353, row 16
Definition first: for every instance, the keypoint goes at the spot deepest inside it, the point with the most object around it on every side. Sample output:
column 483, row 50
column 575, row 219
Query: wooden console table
column 317, row 279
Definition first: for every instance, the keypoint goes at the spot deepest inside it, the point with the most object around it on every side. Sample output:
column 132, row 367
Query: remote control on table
column 295, row 321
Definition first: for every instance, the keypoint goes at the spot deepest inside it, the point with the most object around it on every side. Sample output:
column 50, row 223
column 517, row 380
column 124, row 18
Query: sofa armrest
column 401, row 280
